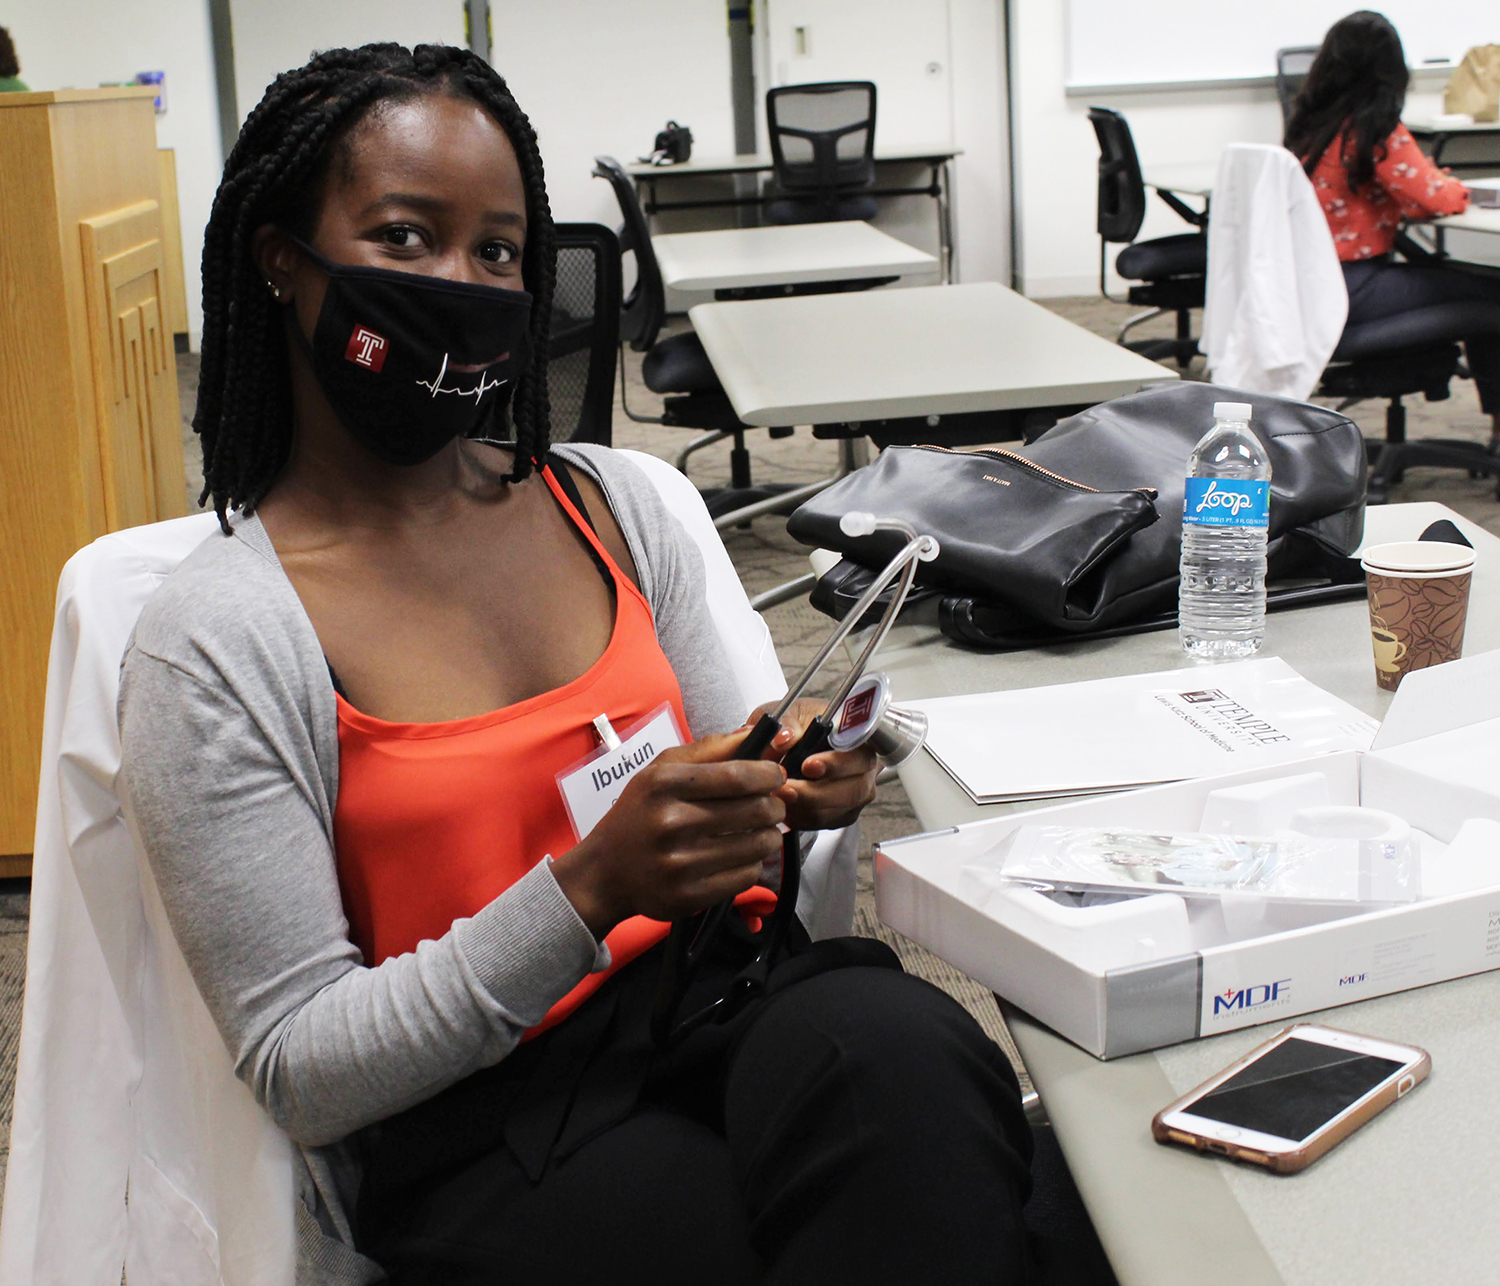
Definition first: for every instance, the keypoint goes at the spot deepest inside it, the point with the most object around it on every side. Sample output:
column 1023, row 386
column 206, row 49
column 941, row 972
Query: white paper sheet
column 1137, row 730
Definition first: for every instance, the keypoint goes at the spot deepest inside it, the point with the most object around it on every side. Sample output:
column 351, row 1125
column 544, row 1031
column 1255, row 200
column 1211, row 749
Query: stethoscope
column 859, row 711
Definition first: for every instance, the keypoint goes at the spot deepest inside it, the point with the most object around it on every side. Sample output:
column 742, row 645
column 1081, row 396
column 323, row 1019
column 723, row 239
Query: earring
column 274, row 289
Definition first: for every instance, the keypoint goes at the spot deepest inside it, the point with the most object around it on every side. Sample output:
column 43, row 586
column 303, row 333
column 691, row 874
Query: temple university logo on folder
column 1208, row 694
column 366, row 349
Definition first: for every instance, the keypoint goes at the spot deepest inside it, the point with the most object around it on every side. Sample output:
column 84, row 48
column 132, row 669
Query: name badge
column 591, row 786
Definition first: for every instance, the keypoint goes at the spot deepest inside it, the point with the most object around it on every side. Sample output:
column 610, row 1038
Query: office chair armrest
column 1413, row 251
column 1198, row 218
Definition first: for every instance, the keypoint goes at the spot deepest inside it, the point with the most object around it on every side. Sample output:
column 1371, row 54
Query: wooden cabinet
column 90, row 429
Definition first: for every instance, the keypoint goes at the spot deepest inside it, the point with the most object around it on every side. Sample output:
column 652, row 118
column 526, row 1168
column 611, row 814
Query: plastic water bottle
column 1222, row 600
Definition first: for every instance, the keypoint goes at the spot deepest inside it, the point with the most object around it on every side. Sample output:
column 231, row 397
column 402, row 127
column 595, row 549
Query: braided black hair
column 275, row 174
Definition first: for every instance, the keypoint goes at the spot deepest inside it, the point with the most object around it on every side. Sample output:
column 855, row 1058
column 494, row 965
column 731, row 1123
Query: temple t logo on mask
column 366, row 349
column 387, row 343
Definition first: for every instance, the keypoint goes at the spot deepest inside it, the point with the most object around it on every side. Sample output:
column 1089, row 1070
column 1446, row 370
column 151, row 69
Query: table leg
column 941, row 177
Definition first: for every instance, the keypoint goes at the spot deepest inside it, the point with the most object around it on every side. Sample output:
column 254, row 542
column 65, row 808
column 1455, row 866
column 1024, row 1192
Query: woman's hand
column 691, row 829
column 838, row 783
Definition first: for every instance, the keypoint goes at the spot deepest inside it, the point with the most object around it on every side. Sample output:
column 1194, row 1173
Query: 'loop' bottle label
column 1227, row 502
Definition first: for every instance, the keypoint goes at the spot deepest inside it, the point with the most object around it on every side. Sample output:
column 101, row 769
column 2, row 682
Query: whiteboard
column 1163, row 42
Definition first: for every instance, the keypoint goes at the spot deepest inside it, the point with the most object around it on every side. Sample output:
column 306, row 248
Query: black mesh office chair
column 1291, row 71
column 822, row 151
column 678, row 368
column 585, row 333
column 1172, row 270
column 1397, row 357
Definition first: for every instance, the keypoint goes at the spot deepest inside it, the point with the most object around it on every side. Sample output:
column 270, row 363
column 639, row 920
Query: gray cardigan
column 230, row 757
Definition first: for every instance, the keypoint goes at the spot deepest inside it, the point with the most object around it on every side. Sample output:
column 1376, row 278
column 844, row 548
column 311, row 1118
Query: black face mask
column 410, row 362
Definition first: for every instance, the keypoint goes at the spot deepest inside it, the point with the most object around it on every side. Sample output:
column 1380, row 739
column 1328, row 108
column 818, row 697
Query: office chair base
column 1181, row 351
column 1389, row 462
column 738, row 505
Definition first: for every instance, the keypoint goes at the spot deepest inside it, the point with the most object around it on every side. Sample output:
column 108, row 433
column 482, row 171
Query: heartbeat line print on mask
column 477, row 392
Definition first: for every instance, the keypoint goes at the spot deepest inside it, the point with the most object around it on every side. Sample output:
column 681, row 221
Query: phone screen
column 1292, row 1090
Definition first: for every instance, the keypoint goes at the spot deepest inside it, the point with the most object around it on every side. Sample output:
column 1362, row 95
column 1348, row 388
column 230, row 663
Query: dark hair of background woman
column 9, row 64
column 1356, row 83
column 275, row 174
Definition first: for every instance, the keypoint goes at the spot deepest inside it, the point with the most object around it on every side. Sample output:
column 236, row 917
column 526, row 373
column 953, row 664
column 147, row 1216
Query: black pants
column 856, row 1126
column 1380, row 288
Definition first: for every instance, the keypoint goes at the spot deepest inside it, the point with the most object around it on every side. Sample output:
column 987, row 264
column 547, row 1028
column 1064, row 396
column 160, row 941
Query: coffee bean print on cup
column 1416, row 622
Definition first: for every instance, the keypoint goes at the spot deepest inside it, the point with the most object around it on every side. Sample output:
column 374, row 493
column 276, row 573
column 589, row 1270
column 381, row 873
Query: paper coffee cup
column 1419, row 603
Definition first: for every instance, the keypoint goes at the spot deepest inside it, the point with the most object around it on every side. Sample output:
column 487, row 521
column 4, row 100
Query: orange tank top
column 435, row 820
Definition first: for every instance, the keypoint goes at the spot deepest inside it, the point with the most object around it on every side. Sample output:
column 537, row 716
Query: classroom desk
column 745, row 259
column 901, row 354
column 938, row 187
column 1475, row 146
column 1409, row 1199
column 1473, row 219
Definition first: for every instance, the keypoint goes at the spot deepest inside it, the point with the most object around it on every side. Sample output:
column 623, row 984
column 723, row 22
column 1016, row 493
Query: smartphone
column 1288, row 1101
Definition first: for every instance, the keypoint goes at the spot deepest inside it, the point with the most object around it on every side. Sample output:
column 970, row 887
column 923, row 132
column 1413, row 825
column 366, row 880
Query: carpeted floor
column 765, row 556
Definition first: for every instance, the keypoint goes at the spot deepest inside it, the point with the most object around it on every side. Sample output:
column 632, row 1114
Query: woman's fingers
column 694, row 778
column 837, row 785
column 690, row 820
column 731, row 857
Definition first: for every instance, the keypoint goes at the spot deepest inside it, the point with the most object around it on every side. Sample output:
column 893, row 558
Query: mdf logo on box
column 1256, row 997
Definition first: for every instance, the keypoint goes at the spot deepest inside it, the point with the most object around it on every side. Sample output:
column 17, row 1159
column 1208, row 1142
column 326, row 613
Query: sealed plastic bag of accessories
column 1285, row 865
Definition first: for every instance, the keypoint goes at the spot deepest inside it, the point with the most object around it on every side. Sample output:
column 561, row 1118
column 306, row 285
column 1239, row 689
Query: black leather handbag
column 673, row 145
column 1078, row 533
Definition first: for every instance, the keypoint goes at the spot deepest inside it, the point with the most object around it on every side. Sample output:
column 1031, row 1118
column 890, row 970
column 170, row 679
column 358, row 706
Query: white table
column 1473, row 219
column 737, row 258
column 936, row 159
column 1477, row 141
column 929, row 350
column 1412, row 1197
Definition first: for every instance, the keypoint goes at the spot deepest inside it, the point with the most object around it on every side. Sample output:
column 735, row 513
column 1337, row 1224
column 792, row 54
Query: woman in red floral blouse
column 1370, row 176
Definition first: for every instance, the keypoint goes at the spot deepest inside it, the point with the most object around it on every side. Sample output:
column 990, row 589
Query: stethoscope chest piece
column 867, row 715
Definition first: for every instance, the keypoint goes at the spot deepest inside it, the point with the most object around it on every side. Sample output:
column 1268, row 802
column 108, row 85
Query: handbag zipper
column 1149, row 492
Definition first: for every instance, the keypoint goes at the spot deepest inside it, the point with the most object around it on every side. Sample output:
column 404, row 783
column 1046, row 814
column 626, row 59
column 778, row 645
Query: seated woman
column 345, row 723
column 1370, row 175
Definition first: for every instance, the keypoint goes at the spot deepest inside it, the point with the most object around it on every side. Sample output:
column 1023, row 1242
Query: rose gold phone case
column 1317, row 1144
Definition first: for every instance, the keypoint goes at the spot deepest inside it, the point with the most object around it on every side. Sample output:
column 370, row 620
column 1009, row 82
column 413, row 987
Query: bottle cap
column 1232, row 411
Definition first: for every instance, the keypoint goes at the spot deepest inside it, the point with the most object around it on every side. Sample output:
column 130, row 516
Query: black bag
column 1060, row 538
column 673, row 145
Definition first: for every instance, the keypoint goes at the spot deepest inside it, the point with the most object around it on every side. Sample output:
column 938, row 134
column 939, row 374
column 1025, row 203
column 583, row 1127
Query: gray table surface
column 1474, row 219
column 927, row 350
column 1421, row 126
column 1411, row 1198
column 785, row 255
column 696, row 166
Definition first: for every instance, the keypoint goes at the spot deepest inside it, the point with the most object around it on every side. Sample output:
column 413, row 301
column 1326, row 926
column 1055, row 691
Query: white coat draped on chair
column 1276, row 300
column 123, row 1084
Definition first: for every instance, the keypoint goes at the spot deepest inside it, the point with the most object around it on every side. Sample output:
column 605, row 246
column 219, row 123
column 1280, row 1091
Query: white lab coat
column 123, row 1083
column 1276, row 300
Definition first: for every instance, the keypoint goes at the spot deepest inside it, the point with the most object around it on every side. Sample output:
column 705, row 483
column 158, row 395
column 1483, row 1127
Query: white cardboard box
column 1134, row 975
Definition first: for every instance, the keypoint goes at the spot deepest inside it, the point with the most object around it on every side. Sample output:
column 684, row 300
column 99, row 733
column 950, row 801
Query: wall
column 940, row 69
column 79, row 43
column 601, row 78
column 596, row 100
column 981, row 179
column 273, row 36
column 1056, row 154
